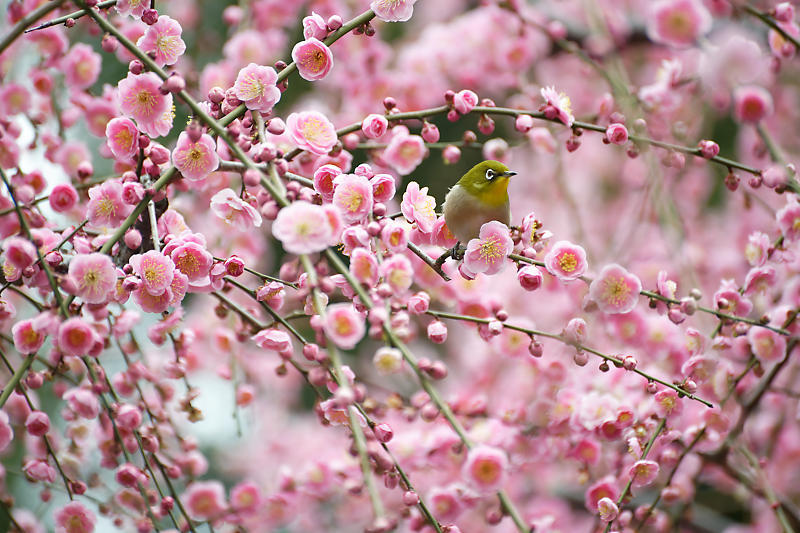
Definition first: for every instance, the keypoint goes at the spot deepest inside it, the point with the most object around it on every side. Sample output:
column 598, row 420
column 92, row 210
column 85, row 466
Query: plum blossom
column 788, row 221
column 76, row 337
column 304, row 228
column 485, row 468
column 313, row 58
column 81, row 66
column 643, row 472
column 343, row 325
column 27, row 338
column 364, row 266
column 383, row 187
column 155, row 270
column 405, row 151
column 204, row 499
column 195, row 159
column 767, row 345
column 615, row 290
column 63, row 197
column 393, row 10
column 140, row 98
column 122, row 137
column 678, row 23
column 418, row 206
column 312, row 131
column 752, row 103
column 323, row 181
column 398, row 273
column 487, row 254
column 256, row 87
column 227, row 205
column 374, row 125
column 353, row 196
column 273, row 339
column 387, row 360
column 93, row 276
column 557, row 106
column 314, row 26
column 163, row 39
column 566, row 261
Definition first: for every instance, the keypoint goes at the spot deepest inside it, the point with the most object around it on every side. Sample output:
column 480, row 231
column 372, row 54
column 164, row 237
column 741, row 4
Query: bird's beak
column 509, row 173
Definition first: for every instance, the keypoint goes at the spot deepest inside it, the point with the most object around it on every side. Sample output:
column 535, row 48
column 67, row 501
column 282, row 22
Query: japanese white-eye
column 480, row 196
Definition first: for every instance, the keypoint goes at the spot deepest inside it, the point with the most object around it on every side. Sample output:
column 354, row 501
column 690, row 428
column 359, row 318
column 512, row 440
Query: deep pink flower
column 141, row 99
column 464, row 101
column 76, row 337
column 343, row 325
column 395, row 236
column 566, row 261
column 312, row 131
column 204, row 499
column 256, row 87
column 21, row 253
column 530, row 277
column 227, row 205
column 81, row 66
column 383, row 187
column 485, row 468
column 678, row 23
column 751, row 103
column 94, row 276
column 398, row 272
column 193, row 260
column 615, row 290
column 603, row 488
column 27, row 339
column 303, row 228
column 353, row 196
column 273, row 339
column 557, row 106
column 617, row 133
column 393, row 10
column 163, row 40
column 195, row 160
column 323, row 181
column 418, row 207
column 487, row 254
column 63, row 197
column 405, row 151
column 313, row 58
column 314, row 26
column 155, row 270
column 374, row 125
column 122, row 137
column 643, row 472
column 708, row 149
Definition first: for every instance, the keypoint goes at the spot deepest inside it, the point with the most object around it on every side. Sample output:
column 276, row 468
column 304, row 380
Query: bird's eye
column 489, row 174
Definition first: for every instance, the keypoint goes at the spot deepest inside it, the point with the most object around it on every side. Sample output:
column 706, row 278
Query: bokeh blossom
column 344, row 325
column 393, row 10
column 615, row 290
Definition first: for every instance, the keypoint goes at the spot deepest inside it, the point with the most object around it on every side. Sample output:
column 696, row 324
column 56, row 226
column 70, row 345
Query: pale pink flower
column 418, row 207
column 756, row 251
column 245, row 497
column 227, row 205
column 441, row 234
column 94, row 276
column 9, row 152
column 193, row 260
column 445, row 502
column 678, row 23
column 323, row 181
column 557, row 106
column 27, row 339
column 759, row 279
column 338, row 415
column 566, row 261
column 6, row 431
column 353, row 196
column 643, row 472
column 767, row 345
column 752, row 103
column 155, row 270
column 343, row 325
column 106, row 208
column 485, row 468
column 788, row 221
column 273, row 339
column 204, row 499
column 14, row 99
column 195, row 160
column 405, row 151
column 83, row 402
column 81, row 66
column 21, row 253
column 395, row 236
column 141, row 99
column 163, row 39
column 303, row 228
column 383, row 187
column 734, row 303
column 464, row 101
column 314, row 26
column 398, row 272
column 122, row 137
column 487, row 254
column 160, row 303
column 667, row 403
column 387, row 360
column 312, row 131
column 615, row 290
column 313, row 58
column 132, row 7
column 393, row 10
column 76, row 337
column 39, row 470
column 256, row 86
column 364, row 266
column 374, row 125
column 778, row 44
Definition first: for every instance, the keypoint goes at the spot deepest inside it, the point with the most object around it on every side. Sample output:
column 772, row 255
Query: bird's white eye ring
column 489, row 174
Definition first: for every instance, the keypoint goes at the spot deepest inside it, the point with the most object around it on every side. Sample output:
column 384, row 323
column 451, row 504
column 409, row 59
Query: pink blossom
column 76, row 337
column 314, row 26
column 155, row 270
column 313, row 58
column 63, row 197
column 38, row 470
column 667, row 403
column 751, row 103
column 566, row 261
column 729, row 300
column 311, row 131
column 767, row 345
column 160, row 303
column 530, row 277
column 256, row 87
column 128, row 417
column 83, row 402
column 557, row 106
column 387, row 360
column 132, row 7
column 163, row 39
column 441, row 234
column 195, row 160
column 788, row 221
column 643, row 472
column 779, row 45
column 445, row 504
column 437, row 331
column 708, row 149
column 393, row 10
column 14, row 99
column 383, row 187
column 323, row 181
column 617, row 133
column 758, row 243
column 364, row 266
column 193, row 260
column 6, row 431
column 395, row 236
column 273, row 339
column 303, row 228
column 759, row 280
column 607, row 509
column 204, row 499
column 678, row 23
column 106, row 208
column 343, row 325
column 94, row 276
column 485, row 468
column 405, row 151
column 487, row 254
column 353, row 196
column 615, row 290
column 141, row 99
column 464, row 101
column 603, row 488
column 398, row 272
column 122, row 137
column 374, row 125
column 81, row 66
column 418, row 207
column 227, row 205
column 245, row 497
column 19, row 252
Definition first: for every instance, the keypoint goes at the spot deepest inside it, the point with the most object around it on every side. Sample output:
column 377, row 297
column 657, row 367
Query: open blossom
column 227, row 205
column 752, row 103
column 163, row 39
column 94, row 277
column 313, row 58
column 27, row 339
column 395, row 236
column 788, row 221
column 393, row 10
column 204, row 499
column 323, row 181
column 667, row 403
column 678, row 23
column 256, row 86
column 615, row 290
column 557, row 106
column 405, row 151
column 767, row 345
column 122, row 137
column 155, row 270
column 387, row 360
column 353, row 197
column 418, row 207
column 343, row 325
column 566, row 261
column 106, row 208
column 383, row 187
column 607, row 509
column 159, row 303
column 364, row 266
column 193, row 260
column 273, row 339
column 81, row 66
column 140, row 98
column 312, row 131
column 487, row 254
column 303, row 228
column 76, row 337
column 643, row 472
column 195, row 160
column 132, row 7
column 485, row 468
column 398, row 273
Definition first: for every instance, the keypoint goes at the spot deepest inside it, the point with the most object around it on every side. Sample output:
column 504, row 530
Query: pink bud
column 383, row 432
column 437, row 331
column 451, row 154
column 37, row 423
column 524, row 123
column 708, row 149
column 617, row 133
column 430, row 133
column 234, row 266
column 530, row 277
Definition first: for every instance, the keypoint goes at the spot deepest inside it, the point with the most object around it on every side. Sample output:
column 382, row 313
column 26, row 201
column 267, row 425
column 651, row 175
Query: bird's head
column 488, row 181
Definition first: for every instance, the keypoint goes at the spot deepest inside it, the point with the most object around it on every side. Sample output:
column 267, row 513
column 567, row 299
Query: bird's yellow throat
column 496, row 194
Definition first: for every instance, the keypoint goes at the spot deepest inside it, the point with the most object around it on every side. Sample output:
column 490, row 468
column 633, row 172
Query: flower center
column 568, row 262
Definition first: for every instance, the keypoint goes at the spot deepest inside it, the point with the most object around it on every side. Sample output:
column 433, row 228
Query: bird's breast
column 465, row 214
